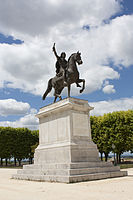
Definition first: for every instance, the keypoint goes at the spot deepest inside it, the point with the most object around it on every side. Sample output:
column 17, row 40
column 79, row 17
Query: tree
column 34, row 144
column 113, row 128
column 96, row 133
column 17, row 143
column 129, row 123
column 121, row 133
column 6, row 143
column 23, row 143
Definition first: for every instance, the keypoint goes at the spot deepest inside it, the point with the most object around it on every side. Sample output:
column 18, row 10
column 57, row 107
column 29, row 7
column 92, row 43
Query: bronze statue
column 61, row 64
column 66, row 74
column 61, row 61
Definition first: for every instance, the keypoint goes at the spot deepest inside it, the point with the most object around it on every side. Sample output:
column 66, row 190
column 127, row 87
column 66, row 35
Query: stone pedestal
column 66, row 152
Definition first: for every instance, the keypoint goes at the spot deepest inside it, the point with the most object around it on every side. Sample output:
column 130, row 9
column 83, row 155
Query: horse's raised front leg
column 83, row 80
column 79, row 81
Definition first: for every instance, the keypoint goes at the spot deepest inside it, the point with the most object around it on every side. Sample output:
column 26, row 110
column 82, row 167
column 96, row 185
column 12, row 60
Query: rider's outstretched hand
column 53, row 47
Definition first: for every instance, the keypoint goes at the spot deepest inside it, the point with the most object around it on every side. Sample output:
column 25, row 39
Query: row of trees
column 17, row 143
column 113, row 132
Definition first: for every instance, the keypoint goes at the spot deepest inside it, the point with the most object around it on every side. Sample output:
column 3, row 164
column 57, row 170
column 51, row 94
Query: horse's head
column 78, row 58
column 75, row 58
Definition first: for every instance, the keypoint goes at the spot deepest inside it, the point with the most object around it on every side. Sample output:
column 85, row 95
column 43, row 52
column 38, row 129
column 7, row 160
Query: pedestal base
column 66, row 152
column 69, row 173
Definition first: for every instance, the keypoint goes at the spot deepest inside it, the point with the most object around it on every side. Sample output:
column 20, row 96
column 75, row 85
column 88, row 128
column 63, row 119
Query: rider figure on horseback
column 61, row 63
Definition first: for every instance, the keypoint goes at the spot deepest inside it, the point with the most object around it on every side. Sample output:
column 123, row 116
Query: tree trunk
column 117, row 160
column 15, row 162
column 6, row 161
column 30, row 160
column 19, row 161
column 106, row 157
column 119, row 157
column 1, row 162
column 101, row 156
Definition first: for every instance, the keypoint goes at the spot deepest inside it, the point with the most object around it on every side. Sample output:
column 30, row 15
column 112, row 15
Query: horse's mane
column 70, row 57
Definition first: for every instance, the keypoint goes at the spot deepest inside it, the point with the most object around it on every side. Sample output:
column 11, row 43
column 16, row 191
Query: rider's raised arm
column 54, row 50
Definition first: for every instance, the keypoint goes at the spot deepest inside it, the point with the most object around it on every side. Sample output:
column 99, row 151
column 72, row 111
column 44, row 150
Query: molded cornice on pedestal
column 65, row 104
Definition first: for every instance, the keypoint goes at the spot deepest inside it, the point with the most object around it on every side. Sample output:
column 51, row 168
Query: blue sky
column 27, row 61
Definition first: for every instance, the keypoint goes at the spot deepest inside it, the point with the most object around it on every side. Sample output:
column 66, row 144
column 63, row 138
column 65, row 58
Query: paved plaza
column 107, row 189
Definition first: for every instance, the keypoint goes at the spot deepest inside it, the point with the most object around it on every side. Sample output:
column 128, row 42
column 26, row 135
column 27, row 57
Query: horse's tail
column 49, row 88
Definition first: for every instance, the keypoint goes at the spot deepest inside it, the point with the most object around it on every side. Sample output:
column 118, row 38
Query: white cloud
column 109, row 89
column 40, row 17
column 121, row 40
column 102, row 107
column 40, row 23
column 24, row 66
column 28, row 121
column 13, row 107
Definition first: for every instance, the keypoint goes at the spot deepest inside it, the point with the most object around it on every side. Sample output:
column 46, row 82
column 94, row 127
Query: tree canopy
column 17, row 143
column 113, row 129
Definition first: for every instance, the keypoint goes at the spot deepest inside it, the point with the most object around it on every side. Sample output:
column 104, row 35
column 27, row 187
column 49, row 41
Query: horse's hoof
column 81, row 91
column 43, row 98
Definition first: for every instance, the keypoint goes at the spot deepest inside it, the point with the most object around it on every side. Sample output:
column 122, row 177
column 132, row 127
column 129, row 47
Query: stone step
column 77, row 165
column 68, row 171
column 70, row 179
column 30, row 171
column 32, row 166
column 90, row 164
column 93, row 170
column 96, row 176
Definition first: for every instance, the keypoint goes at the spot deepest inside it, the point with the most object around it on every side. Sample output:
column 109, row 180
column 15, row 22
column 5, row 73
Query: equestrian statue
column 66, row 74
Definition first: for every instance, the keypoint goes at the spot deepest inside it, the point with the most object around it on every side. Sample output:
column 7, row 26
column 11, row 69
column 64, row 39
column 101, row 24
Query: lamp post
column 113, row 147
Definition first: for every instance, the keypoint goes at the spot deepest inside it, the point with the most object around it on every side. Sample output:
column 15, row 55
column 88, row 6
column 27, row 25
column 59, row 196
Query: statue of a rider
column 61, row 66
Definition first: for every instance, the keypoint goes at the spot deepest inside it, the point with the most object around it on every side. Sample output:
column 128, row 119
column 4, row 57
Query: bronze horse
column 71, row 76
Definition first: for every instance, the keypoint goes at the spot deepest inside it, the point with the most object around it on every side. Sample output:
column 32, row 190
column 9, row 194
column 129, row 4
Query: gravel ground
column 107, row 189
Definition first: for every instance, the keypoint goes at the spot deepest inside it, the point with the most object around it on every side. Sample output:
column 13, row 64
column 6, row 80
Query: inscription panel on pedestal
column 43, row 131
column 80, row 124
column 63, row 128
column 54, row 129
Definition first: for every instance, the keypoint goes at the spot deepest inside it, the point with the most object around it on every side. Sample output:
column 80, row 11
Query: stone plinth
column 66, row 152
